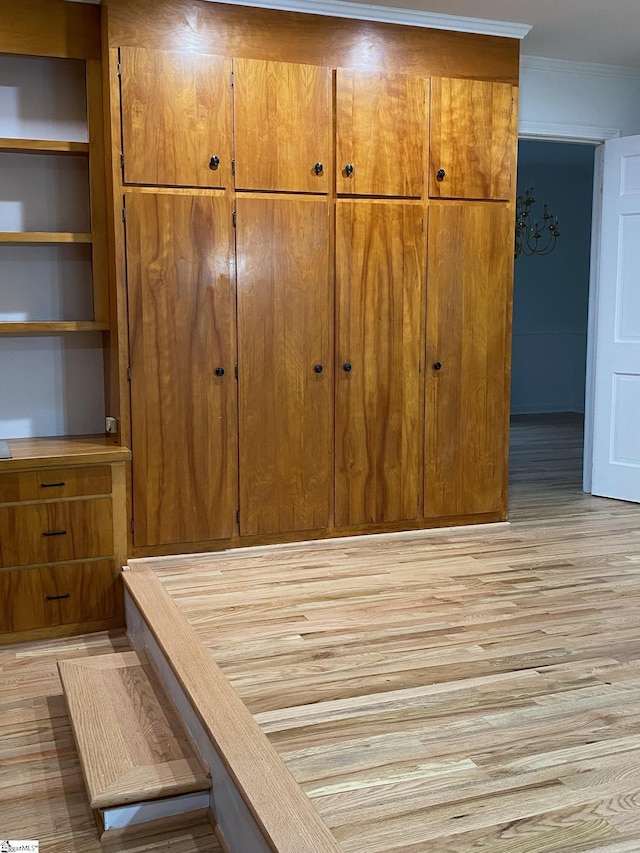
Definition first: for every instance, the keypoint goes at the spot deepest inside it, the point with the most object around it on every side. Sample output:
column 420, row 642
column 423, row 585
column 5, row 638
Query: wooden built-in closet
column 312, row 241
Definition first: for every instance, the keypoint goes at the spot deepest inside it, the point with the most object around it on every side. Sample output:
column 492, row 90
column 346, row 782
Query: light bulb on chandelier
column 532, row 238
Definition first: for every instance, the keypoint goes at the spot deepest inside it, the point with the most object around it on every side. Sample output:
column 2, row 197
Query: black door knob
column 318, row 168
column 348, row 170
column 440, row 175
column 437, row 365
column 219, row 371
column 214, row 162
column 318, row 368
column 346, row 367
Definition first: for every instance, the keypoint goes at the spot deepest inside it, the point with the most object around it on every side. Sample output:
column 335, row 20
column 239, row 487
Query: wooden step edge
column 120, row 724
column 284, row 814
column 143, row 784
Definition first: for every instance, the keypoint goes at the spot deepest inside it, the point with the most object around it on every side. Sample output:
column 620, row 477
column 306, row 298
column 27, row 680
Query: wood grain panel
column 380, row 122
column 467, row 410
column 50, row 28
column 176, row 116
column 285, row 312
column 58, row 595
column 299, row 37
column 182, row 328
column 282, row 125
column 56, row 531
column 55, row 483
column 380, row 256
column 473, row 136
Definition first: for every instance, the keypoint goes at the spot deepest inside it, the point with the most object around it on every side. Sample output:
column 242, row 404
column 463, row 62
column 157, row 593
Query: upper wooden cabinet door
column 467, row 391
column 473, row 128
column 176, row 118
column 380, row 259
column 285, row 370
column 380, row 132
column 183, row 353
column 282, row 123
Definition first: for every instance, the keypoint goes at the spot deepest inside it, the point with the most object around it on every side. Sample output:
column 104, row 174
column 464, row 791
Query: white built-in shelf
column 44, row 327
column 42, row 146
column 45, row 237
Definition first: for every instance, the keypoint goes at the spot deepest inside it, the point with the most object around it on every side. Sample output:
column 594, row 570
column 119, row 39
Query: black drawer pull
column 55, row 533
column 51, row 485
column 56, row 597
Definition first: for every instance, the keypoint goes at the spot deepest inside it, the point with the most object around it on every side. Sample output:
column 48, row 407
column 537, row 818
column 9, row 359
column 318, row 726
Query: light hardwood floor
column 455, row 691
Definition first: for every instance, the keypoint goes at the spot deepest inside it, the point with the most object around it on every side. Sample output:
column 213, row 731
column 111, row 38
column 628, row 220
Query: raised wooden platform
column 137, row 761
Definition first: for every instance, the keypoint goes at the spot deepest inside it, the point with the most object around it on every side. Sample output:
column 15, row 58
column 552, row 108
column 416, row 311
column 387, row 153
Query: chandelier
column 532, row 237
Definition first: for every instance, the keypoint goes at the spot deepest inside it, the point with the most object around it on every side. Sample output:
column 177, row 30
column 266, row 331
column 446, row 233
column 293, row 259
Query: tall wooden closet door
column 176, row 118
column 282, row 123
column 183, row 388
column 469, row 279
column 380, row 130
column 472, row 139
column 285, row 371
column 380, row 261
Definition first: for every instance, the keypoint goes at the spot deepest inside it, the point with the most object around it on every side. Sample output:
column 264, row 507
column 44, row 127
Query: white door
column 616, row 429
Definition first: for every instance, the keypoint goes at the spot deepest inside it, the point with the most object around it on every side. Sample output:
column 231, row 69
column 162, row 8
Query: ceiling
column 601, row 31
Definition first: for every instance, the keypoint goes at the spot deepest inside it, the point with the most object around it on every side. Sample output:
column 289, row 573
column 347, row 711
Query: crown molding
column 568, row 66
column 391, row 15
column 566, row 132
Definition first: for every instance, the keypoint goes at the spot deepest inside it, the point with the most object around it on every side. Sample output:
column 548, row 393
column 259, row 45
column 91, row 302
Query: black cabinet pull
column 440, row 175
column 55, row 533
column 318, row 368
column 214, row 162
column 437, row 365
column 219, row 371
column 57, row 597
column 346, row 367
column 348, row 170
column 318, row 168
column 50, row 485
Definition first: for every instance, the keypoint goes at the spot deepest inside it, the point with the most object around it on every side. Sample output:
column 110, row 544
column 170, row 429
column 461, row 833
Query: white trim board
column 392, row 15
column 566, row 132
column 132, row 814
column 569, row 66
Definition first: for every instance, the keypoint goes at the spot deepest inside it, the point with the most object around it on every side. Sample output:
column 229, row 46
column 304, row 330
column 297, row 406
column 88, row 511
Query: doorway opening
column 551, row 311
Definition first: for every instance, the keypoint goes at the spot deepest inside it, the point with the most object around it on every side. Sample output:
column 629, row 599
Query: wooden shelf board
column 40, row 327
column 45, row 237
column 28, row 453
column 42, row 146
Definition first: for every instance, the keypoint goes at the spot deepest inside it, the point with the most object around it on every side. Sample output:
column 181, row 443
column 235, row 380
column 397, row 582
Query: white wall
column 551, row 292
column 556, row 92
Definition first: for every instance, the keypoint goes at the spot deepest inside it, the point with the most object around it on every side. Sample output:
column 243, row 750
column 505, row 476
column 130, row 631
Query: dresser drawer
column 54, row 483
column 55, row 532
column 58, row 595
